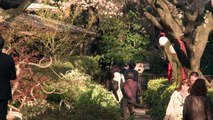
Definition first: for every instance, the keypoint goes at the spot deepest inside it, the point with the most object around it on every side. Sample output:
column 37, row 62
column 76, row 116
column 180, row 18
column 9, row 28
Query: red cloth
column 169, row 71
column 182, row 45
column 183, row 74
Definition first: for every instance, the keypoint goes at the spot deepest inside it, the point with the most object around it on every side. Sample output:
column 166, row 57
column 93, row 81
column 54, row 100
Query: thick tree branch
column 192, row 16
column 5, row 14
column 151, row 2
column 176, row 14
column 153, row 20
column 168, row 20
column 201, row 34
column 45, row 91
column 45, row 23
column 39, row 64
column 175, row 2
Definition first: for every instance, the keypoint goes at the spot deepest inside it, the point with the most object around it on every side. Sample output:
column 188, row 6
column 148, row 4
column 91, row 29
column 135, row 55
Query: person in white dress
column 174, row 109
column 120, row 79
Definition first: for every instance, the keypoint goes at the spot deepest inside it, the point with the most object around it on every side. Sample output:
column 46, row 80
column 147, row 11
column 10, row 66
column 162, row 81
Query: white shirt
column 175, row 106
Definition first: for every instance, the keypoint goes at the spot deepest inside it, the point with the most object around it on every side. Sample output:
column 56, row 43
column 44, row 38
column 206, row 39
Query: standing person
column 130, row 90
column 7, row 73
column 115, row 81
column 131, row 69
column 193, row 77
column 124, row 68
column 174, row 109
column 120, row 79
column 198, row 105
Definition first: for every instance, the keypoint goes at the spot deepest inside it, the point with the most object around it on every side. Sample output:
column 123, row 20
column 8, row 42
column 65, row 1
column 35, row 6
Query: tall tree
column 184, row 21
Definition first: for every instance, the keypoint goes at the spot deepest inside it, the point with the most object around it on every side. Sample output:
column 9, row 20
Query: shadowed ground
column 140, row 114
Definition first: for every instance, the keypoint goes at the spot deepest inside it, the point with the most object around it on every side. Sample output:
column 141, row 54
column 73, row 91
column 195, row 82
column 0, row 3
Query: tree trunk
column 176, row 75
column 192, row 27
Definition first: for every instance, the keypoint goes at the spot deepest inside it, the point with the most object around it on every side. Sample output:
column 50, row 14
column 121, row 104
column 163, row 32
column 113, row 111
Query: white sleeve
column 170, row 107
column 122, row 78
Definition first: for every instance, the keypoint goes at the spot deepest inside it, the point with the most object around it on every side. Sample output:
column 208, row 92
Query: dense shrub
column 210, row 94
column 157, row 97
column 80, row 99
column 86, row 64
column 98, row 104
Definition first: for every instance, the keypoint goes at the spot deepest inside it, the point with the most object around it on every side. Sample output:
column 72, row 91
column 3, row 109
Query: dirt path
column 140, row 114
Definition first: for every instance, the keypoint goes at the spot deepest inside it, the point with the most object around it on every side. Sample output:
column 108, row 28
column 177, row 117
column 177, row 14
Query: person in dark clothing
column 129, row 90
column 132, row 70
column 7, row 73
column 125, row 67
column 198, row 105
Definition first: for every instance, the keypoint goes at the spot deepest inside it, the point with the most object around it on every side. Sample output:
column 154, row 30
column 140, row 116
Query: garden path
column 140, row 114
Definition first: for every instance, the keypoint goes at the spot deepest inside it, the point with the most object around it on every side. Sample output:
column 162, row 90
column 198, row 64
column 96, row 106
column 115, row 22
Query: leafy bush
column 119, row 44
column 34, row 108
column 71, row 85
column 80, row 99
column 98, row 103
column 86, row 64
column 210, row 94
column 157, row 97
column 92, row 100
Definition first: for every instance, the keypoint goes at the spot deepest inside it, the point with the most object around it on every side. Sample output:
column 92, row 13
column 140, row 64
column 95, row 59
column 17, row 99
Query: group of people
column 127, row 89
column 190, row 101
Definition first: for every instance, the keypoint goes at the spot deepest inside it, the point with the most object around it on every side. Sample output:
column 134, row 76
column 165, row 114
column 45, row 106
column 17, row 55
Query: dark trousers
column 3, row 109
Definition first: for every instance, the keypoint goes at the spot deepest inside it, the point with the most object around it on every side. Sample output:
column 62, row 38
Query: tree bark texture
column 187, row 21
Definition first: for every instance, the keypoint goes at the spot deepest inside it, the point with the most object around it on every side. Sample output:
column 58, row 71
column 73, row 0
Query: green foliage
column 210, row 94
column 157, row 64
column 32, row 109
column 79, row 99
column 47, row 13
column 72, row 84
column 119, row 44
column 86, row 64
column 97, row 95
column 157, row 97
column 96, row 98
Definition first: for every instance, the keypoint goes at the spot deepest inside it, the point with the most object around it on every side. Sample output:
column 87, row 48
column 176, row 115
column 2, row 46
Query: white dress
column 174, row 109
column 120, row 78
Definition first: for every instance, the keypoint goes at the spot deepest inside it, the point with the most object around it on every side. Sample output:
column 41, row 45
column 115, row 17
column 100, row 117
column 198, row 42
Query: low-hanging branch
column 153, row 19
column 9, row 13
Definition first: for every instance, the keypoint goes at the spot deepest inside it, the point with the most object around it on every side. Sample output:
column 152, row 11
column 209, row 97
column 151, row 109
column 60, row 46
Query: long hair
column 114, row 69
column 199, row 88
column 186, row 81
